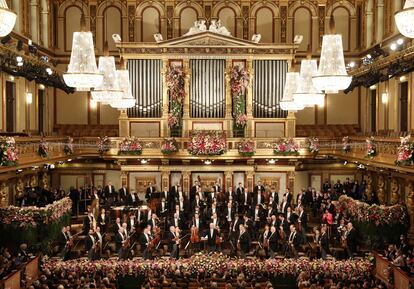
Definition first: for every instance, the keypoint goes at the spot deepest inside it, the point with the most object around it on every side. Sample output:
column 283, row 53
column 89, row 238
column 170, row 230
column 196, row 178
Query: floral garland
column 247, row 148
column 286, row 147
column 175, row 82
column 68, row 147
column 43, row 149
column 216, row 263
column 313, row 145
column 104, row 144
column 130, row 146
column 207, row 143
column 371, row 147
column 405, row 152
column 346, row 146
column 33, row 216
column 379, row 215
column 169, row 146
column 239, row 82
column 9, row 152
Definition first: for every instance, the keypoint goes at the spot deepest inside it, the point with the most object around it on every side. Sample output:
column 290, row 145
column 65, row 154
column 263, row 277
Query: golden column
column 186, row 105
column 250, row 181
column 291, row 181
column 123, row 124
column 228, row 176
column 165, row 100
column 249, row 100
column 229, row 103
column 290, row 129
column 124, row 179
column 186, row 176
column 165, row 180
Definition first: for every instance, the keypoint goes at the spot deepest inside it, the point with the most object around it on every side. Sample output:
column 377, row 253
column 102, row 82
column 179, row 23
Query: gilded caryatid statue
column 4, row 195
column 409, row 201
column 368, row 188
column 380, row 190
column 395, row 191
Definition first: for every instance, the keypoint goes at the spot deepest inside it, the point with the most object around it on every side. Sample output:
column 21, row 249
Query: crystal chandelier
column 307, row 94
column 109, row 90
column 82, row 71
column 332, row 75
column 127, row 100
column 7, row 19
column 287, row 102
column 404, row 19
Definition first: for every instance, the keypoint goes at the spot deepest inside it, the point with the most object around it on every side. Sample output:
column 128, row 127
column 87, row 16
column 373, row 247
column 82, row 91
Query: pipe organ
column 207, row 60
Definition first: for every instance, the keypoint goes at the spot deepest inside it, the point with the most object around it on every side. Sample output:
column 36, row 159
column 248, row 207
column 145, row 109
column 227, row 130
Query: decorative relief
column 170, row 21
column 381, row 189
column 283, row 24
column 321, row 11
column 395, row 191
column 368, row 189
column 207, row 11
column 131, row 23
column 410, row 204
column 245, row 14
column 4, row 195
column 92, row 13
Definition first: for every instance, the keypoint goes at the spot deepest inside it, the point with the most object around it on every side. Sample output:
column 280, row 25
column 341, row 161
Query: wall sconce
column 384, row 97
column 29, row 98
column 41, row 87
column 373, row 87
column 403, row 78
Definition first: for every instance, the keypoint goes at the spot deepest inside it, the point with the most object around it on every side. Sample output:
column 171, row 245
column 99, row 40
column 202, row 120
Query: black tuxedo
column 232, row 194
column 273, row 241
column 179, row 223
column 172, row 245
column 303, row 220
column 89, row 242
column 115, row 228
column 102, row 221
column 284, row 207
column 62, row 240
column 325, row 242
column 275, row 197
column 239, row 191
column 211, row 239
column 244, row 202
column 151, row 222
column 118, row 241
column 289, row 196
column 132, row 200
column 161, row 212
column 291, row 219
column 123, row 194
column 193, row 193
column 257, row 188
column 217, row 188
column 244, row 240
column 150, row 190
column 256, row 199
column 200, row 224
column 226, row 213
column 87, row 224
column 110, row 193
column 351, row 240
column 294, row 238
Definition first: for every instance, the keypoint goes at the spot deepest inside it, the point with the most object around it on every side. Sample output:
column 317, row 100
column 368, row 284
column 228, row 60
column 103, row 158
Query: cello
column 218, row 237
column 195, row 237
column 154, row 241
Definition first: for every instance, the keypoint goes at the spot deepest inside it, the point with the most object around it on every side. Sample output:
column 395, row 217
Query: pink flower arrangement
column 68, row 147
column 33, row 216
column 207, row 143
column 405, row 152
column 9, row 152
column 239, row 82
column 43, row 149
column 247, row 148
column 130, row 146
column 169, row 146
column 371, row 147
column 379, row 215
column 216, row 263
column 175, row 79
column 104, row 144
column 286, row 147
column 313, row 145
column 346, row 146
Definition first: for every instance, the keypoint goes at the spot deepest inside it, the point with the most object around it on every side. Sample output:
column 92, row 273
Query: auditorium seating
column 331, row 130
column 79, row 130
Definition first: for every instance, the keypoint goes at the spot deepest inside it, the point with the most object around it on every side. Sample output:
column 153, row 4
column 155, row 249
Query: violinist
column 215, row 220
column 173, row 243
column 176, row 221
column 153, row 222
column 145, row 240
column 132, row 224
column 120, row 240
column 195, row 228
column 273, row 241
column 162, row 209
column 265, row 240
column 283, row 227
column 211, row 236
column 229, row 214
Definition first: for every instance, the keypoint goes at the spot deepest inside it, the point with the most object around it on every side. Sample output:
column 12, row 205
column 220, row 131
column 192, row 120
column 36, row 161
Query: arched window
column 187, row 17
column 150, row 24
column 265, row 25
column 112, row 25
column 342, row 25
column 72, row 24
column 302, row 25
column 227, row 17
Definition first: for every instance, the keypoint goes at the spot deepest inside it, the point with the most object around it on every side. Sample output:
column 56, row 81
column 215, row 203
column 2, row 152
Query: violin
column 265, row 241
column 195, row 238
column 282, row 233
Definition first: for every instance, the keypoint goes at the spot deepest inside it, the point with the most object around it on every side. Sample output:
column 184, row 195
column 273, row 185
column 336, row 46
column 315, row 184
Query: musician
column 288, row 196
column 244, row 202
column 182, row 206
column 258, row 187
column 229, row 213
column 265, row 240
column 174, row 189
column 171, row 199
column 126, row 232
column 284, row 205
column 235, row 227
column 293, row 242
column 179, row 195
column 258, row 198
column 283, row 226
column 123, row 194
column 176, row 222
column 150, row 190
column 211, row 196
column 271, row 207
column 239, row 190
column 215, row 220
column 95, row 202
column 231, row 194
column 132, row 224
column 119, row 243
column 173, row 243
column 197, row 222
column 273, row 195
column 257, row 215
column 331, row 207
column 110, row 193
column 153, row 222
column 210, row 237
column 162, row 209
column 88, row 223
column 145, row 240
column 90, row 243
column 102, row 220
column 273, row 221
column 324, row 242
column 194, row 191
column 213, row 210
column 117, row 225
column 290, row 216
column 132, row 199
column 64, row 244
column 273, row 241
column 99, row 243
column 217, row 187
column 249, row 226
column 243, row 241
column 300, row 198
column 302, row 222
column 197, row 204
column 350, row 237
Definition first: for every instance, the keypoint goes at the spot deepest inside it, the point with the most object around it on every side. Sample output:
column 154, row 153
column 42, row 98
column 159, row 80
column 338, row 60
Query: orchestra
column 209, row 219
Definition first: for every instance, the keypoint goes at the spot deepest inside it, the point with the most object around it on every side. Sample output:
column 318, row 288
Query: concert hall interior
column 206, row 144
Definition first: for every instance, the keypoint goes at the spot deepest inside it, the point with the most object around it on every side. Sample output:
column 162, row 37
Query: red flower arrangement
column 405, row 152
column 169, row 146
column 379, row 215
column 33, row 216
column 239, row 82
column 371, row 148
column 9, row 152
column 104, row 144
column 130, row 146
column 175, row 82
column 286, row 147
column 207, row 143
column 313, row 145
column 247, row 148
